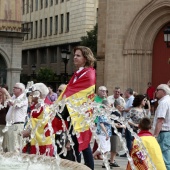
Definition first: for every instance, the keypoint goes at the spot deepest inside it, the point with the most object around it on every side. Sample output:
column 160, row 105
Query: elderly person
column 116, row 96
column 38, row 117
column 114, row 139
column 129, row 101
column 81, row 86
column 162, row 121
column 61, row 89
column 16, row 115
column 101, row 95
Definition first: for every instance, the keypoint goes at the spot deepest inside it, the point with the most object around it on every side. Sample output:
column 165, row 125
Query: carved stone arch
column 145, row 27
column 6, row 58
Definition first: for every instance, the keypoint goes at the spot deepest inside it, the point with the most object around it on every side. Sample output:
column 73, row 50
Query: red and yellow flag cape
column 42, row 137
column 142, row 162
column 82, row 90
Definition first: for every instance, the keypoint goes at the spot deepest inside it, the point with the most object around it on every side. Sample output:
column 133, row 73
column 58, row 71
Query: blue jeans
column 164, row 142
column 128, row 138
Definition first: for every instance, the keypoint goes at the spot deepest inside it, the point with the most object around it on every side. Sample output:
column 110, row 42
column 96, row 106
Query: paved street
column 121, row 161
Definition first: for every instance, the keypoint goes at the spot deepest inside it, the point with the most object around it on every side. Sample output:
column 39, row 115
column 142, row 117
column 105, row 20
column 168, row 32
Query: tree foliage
column 90, row 40
column 45, row 74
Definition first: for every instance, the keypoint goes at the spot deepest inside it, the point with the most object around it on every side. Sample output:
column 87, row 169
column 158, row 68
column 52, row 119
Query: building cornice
column 12, row 34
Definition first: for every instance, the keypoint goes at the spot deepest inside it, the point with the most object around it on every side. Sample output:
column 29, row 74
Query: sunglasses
column 16, row 88
column 158, row 89
column 59, row 90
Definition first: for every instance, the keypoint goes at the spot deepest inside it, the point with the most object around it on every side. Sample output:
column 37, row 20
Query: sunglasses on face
column 158, row 90
column 59, row 90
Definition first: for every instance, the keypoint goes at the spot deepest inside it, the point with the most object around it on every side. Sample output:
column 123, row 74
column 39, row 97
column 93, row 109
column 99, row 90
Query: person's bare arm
column 104, row 129
column 133, row 124
column 127, row 110
column 4, row 91
column 158, row 126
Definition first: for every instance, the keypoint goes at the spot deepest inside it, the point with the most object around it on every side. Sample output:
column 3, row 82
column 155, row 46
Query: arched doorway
column 3, row 71
column 161, row 55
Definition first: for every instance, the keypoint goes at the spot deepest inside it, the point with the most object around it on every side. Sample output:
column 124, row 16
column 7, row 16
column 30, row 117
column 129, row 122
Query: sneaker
column 114, row 164
column 124, row 155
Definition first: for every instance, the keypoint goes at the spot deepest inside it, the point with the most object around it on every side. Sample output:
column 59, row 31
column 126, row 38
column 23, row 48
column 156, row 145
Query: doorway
column 3, row 70
column 160, row 60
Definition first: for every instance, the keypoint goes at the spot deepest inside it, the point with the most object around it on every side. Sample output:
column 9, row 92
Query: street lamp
column 33, row 68
column 167, row 36
column 65, row 55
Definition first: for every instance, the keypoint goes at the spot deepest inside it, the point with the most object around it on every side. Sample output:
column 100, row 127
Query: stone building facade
column 131, row 44
column 10, row 42
column 55, row 25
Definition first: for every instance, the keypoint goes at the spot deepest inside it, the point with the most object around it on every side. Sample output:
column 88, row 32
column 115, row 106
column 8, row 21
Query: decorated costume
column 38, row 123
column 141, row 161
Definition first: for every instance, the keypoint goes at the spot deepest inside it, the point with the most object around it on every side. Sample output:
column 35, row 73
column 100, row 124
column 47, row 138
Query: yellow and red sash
column 82, row 90
column 42, row 137
column 141, row 161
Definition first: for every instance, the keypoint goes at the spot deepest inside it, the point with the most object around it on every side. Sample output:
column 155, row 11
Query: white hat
column 42, row 88
column 164, row 87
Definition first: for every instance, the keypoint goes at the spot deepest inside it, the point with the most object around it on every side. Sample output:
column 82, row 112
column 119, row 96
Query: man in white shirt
column 161, row 122
column 15, row 117
column 129, row 101
column 116, row 96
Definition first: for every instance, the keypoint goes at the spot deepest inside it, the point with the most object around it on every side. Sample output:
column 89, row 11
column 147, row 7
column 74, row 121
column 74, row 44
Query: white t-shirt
column 163, row 111
column 111, row 101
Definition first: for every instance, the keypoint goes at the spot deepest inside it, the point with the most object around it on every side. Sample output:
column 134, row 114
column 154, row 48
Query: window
column 36, row 5
column 53, row 55
column 62, row 1
column 45, row 24
column 62, row 23
column 67, row 21
column 56, row 24
column 31, row 30
column 24, row 58
column 51, row 2
column 56, row 2
column 33, row 56
column 26, row 26
column 27, row 4
column 36, row 28
column 31, row 6
column 23, row 7
column 97, row 15
column 41, row 4
column 41, row 28
column 43, row 56
column 46, row 3
column 51, row 25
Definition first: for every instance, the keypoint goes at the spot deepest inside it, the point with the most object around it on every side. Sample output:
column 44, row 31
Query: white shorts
column 103, row 145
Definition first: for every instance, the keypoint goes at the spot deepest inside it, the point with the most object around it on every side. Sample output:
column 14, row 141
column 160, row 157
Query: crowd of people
column 23, row 116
